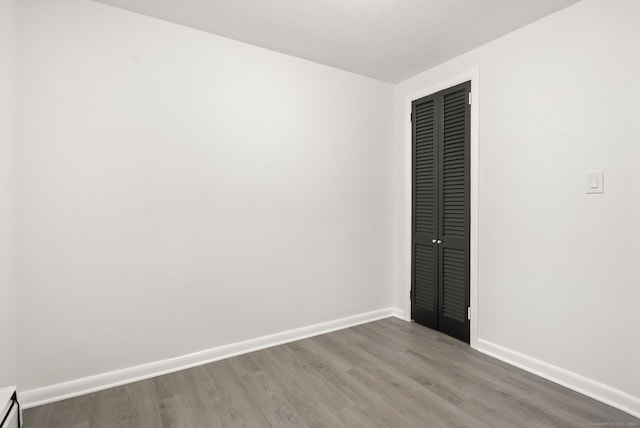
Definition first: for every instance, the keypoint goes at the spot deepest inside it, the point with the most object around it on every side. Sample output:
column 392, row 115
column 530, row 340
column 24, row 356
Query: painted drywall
column 557, row 276
column 8, row 69
column 180, row 191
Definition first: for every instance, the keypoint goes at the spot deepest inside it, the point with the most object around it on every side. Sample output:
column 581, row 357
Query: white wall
column 558, row 269
column 8, row 66
column 181, row 191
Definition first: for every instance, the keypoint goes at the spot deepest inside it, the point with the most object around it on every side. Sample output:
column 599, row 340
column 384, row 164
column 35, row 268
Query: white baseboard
column 399, row 313
column 86, row 385
column 589, row 387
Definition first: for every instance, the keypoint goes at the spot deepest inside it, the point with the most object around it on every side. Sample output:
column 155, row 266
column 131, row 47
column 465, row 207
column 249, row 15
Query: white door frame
column 473, row 76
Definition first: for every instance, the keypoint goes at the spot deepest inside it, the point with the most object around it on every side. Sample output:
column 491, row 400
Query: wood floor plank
column 418, row 388
column 307, row 393
column 243, row 365
column 354, row 417
column 433, row 377
column 65, row 413
column 239, row 410
column 144, row 401
column 114, row 409
column 270, row 400
column 388, row 373
column 361, row 401
column 183, row 400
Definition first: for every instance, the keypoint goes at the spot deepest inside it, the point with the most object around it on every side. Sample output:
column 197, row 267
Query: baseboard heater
column 11, row 415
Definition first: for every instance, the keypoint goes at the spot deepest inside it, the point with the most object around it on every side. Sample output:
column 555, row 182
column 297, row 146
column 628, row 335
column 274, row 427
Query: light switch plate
column 595, row 181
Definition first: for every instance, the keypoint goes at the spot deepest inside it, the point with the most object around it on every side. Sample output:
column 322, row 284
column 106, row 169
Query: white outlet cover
column 595, row 181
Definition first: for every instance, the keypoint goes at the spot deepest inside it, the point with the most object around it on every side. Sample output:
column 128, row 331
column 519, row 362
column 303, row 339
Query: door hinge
column 410, row 295
column 410, row 117
column 469, row 313
column 469, row 98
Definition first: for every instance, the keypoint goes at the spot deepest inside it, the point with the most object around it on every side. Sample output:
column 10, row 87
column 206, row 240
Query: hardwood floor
column 388, row 373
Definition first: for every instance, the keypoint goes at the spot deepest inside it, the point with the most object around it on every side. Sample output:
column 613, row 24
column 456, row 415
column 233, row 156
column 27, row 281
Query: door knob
column 434, row 241
column 439, row 241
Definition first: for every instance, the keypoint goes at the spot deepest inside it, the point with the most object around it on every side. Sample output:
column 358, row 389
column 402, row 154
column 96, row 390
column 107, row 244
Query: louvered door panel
column 425, row 212
column 454, row 284
column 425, row 202
column 454, row 201
column 454, row 164
column 424, row 277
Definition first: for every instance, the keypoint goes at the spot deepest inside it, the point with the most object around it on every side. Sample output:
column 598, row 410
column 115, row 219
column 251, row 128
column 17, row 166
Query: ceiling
column 389, row 40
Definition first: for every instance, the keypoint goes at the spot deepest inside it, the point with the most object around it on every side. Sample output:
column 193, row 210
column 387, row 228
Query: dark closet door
column 455, row 211
column 424, row 299
column 441, row 211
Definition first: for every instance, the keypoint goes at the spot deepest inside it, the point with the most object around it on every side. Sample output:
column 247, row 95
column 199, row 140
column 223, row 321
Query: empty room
column 315, row 213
